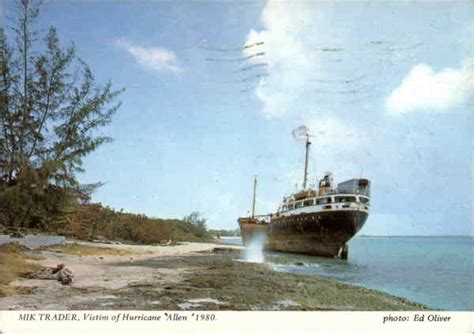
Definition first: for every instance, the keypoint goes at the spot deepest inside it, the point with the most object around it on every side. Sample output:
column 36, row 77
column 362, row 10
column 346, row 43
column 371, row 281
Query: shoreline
column 188, row 276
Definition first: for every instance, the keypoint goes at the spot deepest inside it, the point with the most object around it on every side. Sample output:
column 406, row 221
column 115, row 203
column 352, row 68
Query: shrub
column 93, row 221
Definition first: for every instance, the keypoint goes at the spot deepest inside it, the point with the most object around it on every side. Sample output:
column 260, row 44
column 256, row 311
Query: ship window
column 284, row 208
column 298, row 205
column 324, row 200
column 291, row 206
column 343, row 199
column 364, row 200
column 308, row 202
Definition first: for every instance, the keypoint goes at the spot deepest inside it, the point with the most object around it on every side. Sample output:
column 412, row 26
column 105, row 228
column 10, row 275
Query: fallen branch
column 59, row 273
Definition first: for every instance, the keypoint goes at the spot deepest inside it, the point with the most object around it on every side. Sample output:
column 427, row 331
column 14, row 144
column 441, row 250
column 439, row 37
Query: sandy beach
column 187, row 276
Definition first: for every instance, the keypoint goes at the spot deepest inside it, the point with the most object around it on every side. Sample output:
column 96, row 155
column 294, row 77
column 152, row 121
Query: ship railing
column 261, row 218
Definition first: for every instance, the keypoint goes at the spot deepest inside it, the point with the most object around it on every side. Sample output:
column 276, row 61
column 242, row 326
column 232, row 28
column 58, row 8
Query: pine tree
column 50, row 111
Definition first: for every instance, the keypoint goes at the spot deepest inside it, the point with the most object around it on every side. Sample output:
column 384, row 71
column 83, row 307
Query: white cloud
column 290, row 60
column 151, row 58
column 423, row 89
column 314, row 59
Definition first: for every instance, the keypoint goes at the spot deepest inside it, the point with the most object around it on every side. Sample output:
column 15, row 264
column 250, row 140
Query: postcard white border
column 239, row 322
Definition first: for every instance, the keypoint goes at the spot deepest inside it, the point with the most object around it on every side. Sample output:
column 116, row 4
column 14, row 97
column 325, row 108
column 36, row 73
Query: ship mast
column 254, row 195
column 301, row 134
column 305, row 178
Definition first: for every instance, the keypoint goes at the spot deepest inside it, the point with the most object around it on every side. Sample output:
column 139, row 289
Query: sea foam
column 254, row 250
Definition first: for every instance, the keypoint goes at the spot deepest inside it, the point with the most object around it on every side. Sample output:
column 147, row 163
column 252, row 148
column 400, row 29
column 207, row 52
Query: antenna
column 301, row 135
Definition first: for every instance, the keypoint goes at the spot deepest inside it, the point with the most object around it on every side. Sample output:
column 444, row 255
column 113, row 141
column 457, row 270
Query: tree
column 50, row 111
column 196, row 223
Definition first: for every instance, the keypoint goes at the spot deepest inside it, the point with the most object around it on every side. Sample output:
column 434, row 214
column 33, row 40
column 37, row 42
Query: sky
column 214, row 89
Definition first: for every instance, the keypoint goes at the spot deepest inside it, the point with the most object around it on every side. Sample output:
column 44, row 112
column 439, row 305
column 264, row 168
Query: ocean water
column 33, row 241
column 435, row 271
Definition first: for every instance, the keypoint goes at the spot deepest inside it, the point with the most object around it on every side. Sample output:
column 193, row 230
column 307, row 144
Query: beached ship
column 314, row 221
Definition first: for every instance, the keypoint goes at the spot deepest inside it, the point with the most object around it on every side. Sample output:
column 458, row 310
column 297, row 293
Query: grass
column 83, row 250
column 12, row 263
column 35, row 257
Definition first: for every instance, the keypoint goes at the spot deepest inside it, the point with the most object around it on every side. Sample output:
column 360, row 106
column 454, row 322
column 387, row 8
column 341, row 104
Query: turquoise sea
column 435, row 271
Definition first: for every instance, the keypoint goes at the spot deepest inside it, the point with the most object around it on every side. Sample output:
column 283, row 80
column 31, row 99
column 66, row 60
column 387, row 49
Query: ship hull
column 252, row 231
column 321, row 233
column 317, row 233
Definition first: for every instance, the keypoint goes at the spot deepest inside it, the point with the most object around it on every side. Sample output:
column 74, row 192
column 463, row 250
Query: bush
column 93, row 221
column 32, row 202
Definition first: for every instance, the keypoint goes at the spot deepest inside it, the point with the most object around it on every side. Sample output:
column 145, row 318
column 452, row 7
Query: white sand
column 99, row 272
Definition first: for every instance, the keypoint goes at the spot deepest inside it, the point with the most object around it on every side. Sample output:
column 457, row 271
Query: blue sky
column 386, row 88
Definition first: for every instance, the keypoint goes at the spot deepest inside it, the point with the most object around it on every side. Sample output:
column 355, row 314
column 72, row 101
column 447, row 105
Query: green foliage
column 32, row 202
column 93, row 221
column 195, row 224
column 50, row 112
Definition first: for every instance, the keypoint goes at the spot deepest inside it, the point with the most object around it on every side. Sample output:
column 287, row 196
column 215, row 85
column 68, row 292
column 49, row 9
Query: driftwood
column 165, row 242
column 59, row 273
